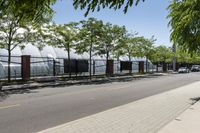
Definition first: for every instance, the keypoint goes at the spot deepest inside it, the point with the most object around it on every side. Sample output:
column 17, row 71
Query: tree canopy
column 29, row 10
column 92, row 5
column 162, row 54
column 184, row 18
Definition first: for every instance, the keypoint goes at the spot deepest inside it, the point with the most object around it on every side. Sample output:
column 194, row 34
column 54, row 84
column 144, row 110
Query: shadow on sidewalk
column 195, row 99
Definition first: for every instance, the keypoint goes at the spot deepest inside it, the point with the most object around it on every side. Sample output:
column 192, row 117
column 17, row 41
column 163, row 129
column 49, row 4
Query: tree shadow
column 111, row 80
column 7, row 93
column 195, row 99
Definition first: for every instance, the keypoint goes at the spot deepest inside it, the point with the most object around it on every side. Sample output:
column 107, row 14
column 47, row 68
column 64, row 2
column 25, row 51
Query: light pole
column 174, row 58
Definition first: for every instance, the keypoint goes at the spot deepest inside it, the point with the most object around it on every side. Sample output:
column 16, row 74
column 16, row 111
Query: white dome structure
column 42, row 61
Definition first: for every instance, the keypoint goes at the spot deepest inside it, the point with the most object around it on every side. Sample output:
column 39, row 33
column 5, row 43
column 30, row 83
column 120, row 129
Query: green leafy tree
column 146, row 49
column 89, row 37
column 62, row 36
column 184, row 20
column 110, row 37
column 183, row 14
column 92, row 5
column 15, row 34
column 12, row 35
column 132, row 47
column 16, row 26
column 31, row 7
column 118, row 49
column 183, row 57
column 196, row 59
column 162, row 54
column 29, row 10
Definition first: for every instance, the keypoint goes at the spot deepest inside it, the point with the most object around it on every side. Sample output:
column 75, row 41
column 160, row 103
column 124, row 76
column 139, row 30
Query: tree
column 92, row 5
column 15, row 26
column 12, row 35
column 137, row 47
column 163, row 55
column 118, row 49
column 110, row 37
column 32, row 7
column 29, row 10
column 146, row 49
column 89, row 37
column 184, row 20
column 63, row 36
column 183, row 14
column 183, row 57
column 132, row 46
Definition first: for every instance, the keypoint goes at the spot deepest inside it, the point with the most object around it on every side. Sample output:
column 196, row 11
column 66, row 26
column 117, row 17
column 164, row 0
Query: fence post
column 54, row 67
column 130, row 67
column 109, row 68
column 141, row 67
column 25, row 67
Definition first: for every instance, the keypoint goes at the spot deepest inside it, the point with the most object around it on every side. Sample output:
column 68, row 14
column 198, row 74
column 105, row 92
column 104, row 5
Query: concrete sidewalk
column 187, row 122
column 147, row 115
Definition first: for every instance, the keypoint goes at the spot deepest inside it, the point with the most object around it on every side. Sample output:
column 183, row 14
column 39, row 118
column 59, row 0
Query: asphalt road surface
column 30, row 111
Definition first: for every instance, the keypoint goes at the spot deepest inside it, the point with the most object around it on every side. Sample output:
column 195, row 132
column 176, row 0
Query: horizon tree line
column 92, row 36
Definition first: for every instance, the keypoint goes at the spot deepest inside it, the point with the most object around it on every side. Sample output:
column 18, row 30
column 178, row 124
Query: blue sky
column 148, row 18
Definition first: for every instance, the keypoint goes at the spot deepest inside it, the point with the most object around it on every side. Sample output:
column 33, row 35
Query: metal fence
column 45, row 66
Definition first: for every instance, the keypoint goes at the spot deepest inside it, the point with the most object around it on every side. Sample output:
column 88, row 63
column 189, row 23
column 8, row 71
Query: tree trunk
column 146, row 64
column 129, row 57
column 157, row 67
column 9, row 62
column 118, row 68
column 69, row 60
column 91, row 59
column 107, row 56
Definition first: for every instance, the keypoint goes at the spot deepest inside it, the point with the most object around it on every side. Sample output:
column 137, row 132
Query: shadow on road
column 5, row 94
column 111, row 80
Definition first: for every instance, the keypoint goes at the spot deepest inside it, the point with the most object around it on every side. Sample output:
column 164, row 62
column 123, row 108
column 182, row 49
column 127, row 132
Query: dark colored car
column 195, row 68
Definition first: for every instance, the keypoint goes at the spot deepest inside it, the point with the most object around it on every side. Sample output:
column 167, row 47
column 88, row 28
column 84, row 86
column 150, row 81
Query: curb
column 67, row 83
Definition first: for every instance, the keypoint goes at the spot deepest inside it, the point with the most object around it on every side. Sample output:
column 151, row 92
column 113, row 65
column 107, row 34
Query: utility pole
column 174, row 58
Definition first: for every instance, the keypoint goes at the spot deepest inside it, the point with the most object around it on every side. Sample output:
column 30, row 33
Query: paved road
column 35, row 110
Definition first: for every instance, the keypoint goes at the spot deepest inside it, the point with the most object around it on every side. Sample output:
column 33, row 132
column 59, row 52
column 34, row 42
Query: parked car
column 195, row 68
column 183, row 70
column 0, row 87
